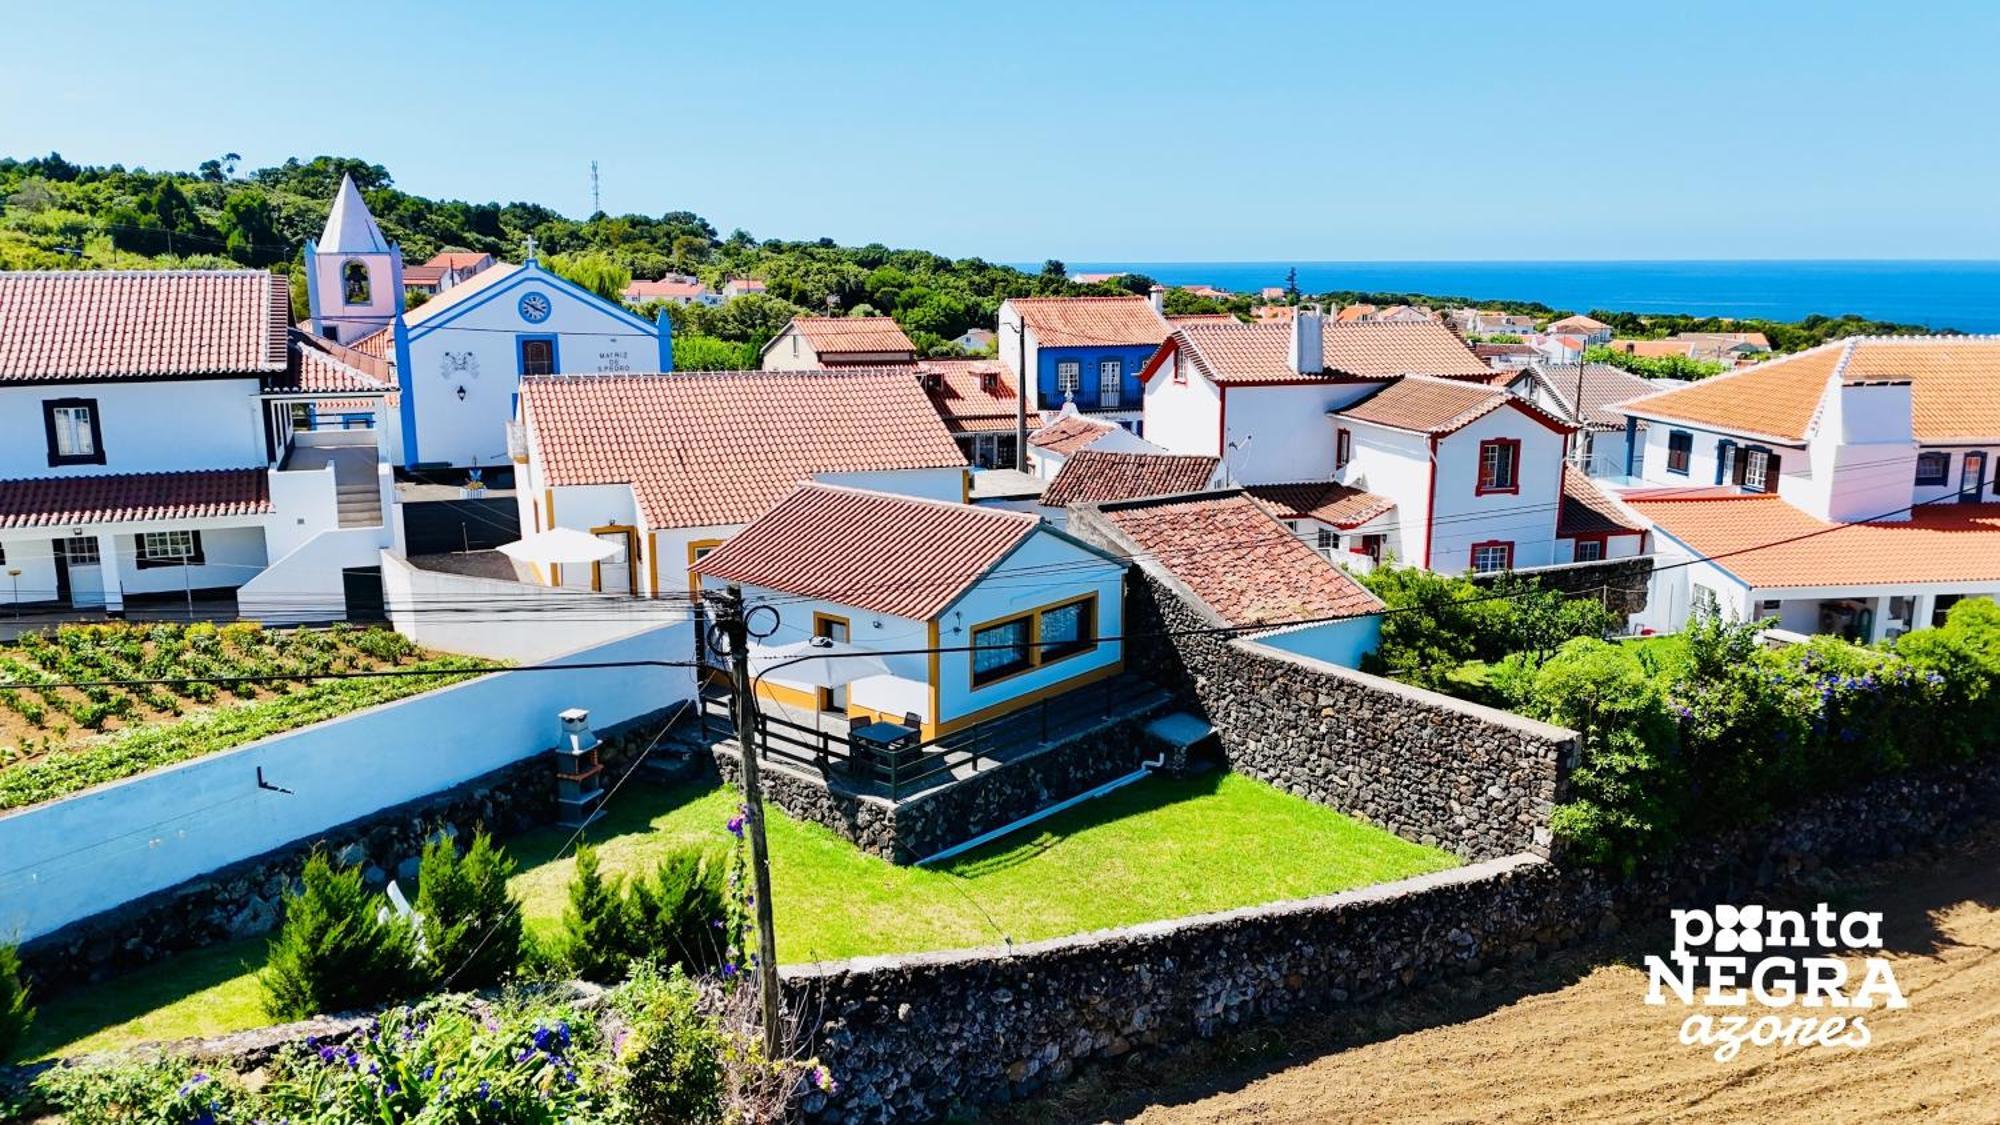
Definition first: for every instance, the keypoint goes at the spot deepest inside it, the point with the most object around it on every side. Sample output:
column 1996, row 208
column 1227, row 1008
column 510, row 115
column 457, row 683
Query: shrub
column 670, row 1061
column 332, row 954
column 595, row 933
column 1626, row 785
column 471, row 925
column 677, row 916
column 15, row 1014
column 164, row 1091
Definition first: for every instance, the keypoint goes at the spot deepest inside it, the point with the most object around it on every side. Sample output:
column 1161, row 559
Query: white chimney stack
column 1158, row 296
column 1306, row 354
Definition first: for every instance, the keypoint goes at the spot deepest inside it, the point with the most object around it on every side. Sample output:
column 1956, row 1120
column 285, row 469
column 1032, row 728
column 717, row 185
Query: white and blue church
column 458, row 358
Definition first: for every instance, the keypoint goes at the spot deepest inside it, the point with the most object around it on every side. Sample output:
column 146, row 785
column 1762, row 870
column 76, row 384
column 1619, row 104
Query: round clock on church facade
column 535, row 307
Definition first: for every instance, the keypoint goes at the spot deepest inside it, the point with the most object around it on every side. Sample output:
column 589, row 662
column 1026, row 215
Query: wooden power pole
column 729, row 618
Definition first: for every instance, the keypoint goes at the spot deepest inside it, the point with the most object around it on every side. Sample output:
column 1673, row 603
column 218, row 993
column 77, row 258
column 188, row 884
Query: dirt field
column 1579, row 1044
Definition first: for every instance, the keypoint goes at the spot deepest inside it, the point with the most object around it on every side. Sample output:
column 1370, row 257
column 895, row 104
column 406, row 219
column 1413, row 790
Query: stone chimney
column 1306, row 355
column 1158, row 296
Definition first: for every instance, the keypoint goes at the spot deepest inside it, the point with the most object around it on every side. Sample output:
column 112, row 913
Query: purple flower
column 326, row 1054
column 485, row 1091
column 189, row 1086
column 736, row 826
column 729, row 969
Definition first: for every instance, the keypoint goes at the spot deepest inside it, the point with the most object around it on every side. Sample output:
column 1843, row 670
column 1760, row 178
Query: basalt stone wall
column 244, row 899
column 1622, row 583
column 927, row 1036
column 921, row 826
column 1473, row 780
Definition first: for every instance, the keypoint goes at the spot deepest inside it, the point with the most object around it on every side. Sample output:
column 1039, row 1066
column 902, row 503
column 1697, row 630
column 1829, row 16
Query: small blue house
column 1086, row 350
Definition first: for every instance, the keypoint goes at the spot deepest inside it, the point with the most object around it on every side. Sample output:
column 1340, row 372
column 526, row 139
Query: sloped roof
column 132, row 497
column 871, row 550
column 1325, row 501
column 958, row 388
column 458, row 259
column 1424, row 405
column 664, row 289
column 1578, row 323
column 422, row 275
column 64, row 326
column 1587, row 510
column 1094, row 477
column 324, row 367
column 833, row 335
column 1954, row 388
column 1603, row 385
column 457, row 295
column 1261, row 353
column 1067, row 322
column 1767, row 542
column 716, row 448
column 1243, row 564
column 1069, row 433
column 350, row 229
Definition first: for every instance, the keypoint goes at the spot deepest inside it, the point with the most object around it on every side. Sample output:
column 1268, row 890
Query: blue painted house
column 1086, row 350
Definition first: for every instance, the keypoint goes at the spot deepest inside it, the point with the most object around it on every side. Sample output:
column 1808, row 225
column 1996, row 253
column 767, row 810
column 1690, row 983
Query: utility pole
column 729, row 618
column 1021, row 394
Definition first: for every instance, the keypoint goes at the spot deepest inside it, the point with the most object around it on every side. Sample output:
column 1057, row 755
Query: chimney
column 1306, row 355
column 1158, row 296
column 579, row 786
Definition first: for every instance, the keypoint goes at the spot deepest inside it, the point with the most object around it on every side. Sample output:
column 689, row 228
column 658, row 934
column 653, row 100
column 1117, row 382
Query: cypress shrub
column 676, row 916
column 332, row 954
column 471, row 925
column 15, row 1015
column 595, row 942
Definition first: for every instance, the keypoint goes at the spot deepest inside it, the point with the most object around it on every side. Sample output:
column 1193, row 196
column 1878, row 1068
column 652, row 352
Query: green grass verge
column 127, row 753
column 1159, row 849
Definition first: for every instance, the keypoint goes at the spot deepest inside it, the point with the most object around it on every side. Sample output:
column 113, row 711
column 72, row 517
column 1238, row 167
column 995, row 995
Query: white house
column 976, row 612
column 1849, row 488
column 669, row 466
column 815, row 343
column 459, row 357
column 1225, row 555
column 673, row 290
column 741, row 287
column 978, row 402
column 156, row 441
column 1592, row 330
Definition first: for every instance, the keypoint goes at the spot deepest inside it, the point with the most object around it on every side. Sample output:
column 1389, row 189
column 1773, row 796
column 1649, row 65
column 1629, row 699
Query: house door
column 79, row 572
column 617, row 574
column 1972, row 478
column 832, row 628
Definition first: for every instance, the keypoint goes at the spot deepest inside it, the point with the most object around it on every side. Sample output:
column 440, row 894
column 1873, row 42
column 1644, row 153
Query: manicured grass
column 1158, row 849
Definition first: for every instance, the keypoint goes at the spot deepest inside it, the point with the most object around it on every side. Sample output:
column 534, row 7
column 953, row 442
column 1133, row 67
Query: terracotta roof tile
column 138, row 324
column 458, row 259
column 870, row 550
column 835, row 335
column 1261, row 353
column 971, row 395
column 715, row 448
column 1439, row 406
column 1578, row 323
column 1240, row 561
column 1092, row 477
column 1767, row 543
column 132, row 497
column 1325, row 501
column 1587, row 510
column 1067, row 322
column 664, row 290
column 1954, row 388
column 1239, row 353
column 1603, row 385
column 1069, row 433
column 324, row 367
column 422, row 275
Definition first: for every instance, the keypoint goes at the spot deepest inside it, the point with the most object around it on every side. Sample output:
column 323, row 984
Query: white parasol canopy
column 821, row 662
column 560, row 546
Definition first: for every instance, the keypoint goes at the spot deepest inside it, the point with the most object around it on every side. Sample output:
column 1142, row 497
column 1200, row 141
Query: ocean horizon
column 1943, row 294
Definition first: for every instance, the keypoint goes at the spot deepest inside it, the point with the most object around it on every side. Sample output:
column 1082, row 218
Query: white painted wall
column 1395, row 464
column 1282, row 434
column 72, row 858
column 1044, row 570
column 147, row 427
column 1526, row 518
column 1183, row 416
column 528, row 624
column 931, row 484
column 1336, row 642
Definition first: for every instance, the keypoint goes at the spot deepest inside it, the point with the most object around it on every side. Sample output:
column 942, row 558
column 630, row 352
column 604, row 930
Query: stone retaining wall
column 243, row 899
column 1622, row 583
column 918, row 1038
column 1473, row 780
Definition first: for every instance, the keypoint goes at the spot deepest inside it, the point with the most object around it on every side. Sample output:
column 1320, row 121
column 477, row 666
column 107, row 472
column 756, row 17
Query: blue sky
column 1086, row 130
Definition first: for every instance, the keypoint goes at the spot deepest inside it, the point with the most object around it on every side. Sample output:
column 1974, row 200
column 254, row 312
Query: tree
column 332, row 954
column 1292, row 284
column 471, row 925
column 595, row 271
column 252, row 236
column 1053, row 268
column 15, row 1014
column 594, row 939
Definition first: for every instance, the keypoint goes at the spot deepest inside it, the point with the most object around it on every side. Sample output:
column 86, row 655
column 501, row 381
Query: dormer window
column 989, row 381
column 933, row 381
column 354, row 282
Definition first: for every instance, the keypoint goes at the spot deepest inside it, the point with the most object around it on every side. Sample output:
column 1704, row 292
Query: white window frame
column 1596, row 548
column 73, row 431
column 178, row 546
column 1110, row 383
column 1756, row 469
column 1069, row 378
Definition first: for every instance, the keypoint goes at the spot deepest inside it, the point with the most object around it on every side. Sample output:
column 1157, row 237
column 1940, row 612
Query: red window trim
column 1602, row 539
column 1480, row 487
column 1472, row 555
column 1343, row 447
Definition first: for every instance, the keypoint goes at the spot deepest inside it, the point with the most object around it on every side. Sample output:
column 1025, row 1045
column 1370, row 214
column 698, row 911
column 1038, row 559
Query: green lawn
column 1158, row 849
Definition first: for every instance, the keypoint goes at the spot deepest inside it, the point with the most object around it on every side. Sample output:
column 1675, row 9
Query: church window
column 354, row 283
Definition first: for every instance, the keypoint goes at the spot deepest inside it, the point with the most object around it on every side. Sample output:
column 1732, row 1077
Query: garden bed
column 58, row 740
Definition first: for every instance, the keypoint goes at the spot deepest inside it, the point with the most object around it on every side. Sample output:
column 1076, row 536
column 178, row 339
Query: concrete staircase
column 360, row 503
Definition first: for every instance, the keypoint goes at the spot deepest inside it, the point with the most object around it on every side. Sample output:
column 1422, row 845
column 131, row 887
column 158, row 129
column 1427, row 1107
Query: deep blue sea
column 1942, row 294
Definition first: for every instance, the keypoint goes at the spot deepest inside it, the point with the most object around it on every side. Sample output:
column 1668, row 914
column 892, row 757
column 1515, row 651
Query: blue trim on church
column 406, row 379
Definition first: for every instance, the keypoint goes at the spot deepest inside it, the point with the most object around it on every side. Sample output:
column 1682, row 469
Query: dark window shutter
column 1771, row 473
column 195, row 557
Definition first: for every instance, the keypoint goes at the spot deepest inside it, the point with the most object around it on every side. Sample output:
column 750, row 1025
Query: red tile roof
column 871, row 550
column 1089, row 476
column 1261, row 353
column 1954, row 388
column 415, row 276
column 1587, row 510
column 324, row 367
column 132, row 497
column 1243, row 564
column 665, row 289
column 838, row 335
column 1603, row 385
column 1578, row 323
column 457, row 259
column 1767, row 543
column 1440, row 406
column 1069, row 322
column 1069, row 433
column 959, row 390
column 1325, row 501
column 140, row 324
column 716, row 448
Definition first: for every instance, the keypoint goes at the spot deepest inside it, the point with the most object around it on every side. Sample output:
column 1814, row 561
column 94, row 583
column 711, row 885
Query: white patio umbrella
column 822, row 662
column 560, row 546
